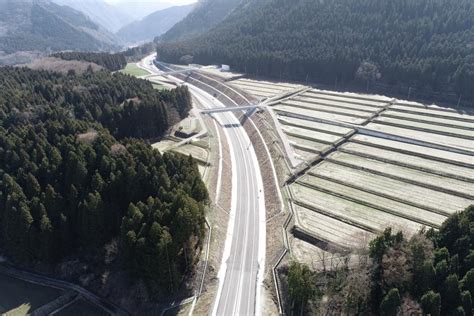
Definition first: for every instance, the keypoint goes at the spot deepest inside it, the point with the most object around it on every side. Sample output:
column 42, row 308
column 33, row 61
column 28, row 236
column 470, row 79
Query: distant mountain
column 43, row 26
column 102, row 13
column 425, row 45
column 154, row 24
column 206, row 15
column 138, row 9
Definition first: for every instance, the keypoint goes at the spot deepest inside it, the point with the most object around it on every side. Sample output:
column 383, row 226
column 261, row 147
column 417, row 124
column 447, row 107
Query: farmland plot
column 256, row 91
column 350, row 103
column 335, row 117
column 441, row 202
column 311, row 135
column 425, row 136
column 430, row 119
column 437, row 182
column 350, row 212
column 368, row 99
column 263, row 89
column 431, row 153
column 416, row 172
column 328, row 108
column 308, row 145
column 258, row 87
column 282, row 86
column 316, row 126
column 431, row 165
column 328, row 229
column 432, row 111
column 432, row 128
column 417, row 214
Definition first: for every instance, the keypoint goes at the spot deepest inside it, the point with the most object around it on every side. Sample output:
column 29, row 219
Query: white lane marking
column 246, row 227
column 219, row 170
column 239, row 222
column 262, row 228
column 262, row 234
column 261, row 209
column 254, row 210
column 230, row 225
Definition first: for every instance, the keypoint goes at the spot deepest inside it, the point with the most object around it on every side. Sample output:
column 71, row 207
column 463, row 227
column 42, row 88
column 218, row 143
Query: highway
column 239, row 289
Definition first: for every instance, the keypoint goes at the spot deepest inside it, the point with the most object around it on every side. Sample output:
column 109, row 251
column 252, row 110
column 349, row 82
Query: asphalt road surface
column 238, row 277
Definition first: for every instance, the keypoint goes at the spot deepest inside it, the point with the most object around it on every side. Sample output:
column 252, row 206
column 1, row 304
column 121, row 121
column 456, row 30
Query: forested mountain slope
column 102, row 13
column 206, row 15
column 427, row 44
column 112, row 62
column 71, row 178
column 154, row 24
column 40, row 25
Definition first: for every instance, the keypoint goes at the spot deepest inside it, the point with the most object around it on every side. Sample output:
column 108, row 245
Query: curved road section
column 240, row 275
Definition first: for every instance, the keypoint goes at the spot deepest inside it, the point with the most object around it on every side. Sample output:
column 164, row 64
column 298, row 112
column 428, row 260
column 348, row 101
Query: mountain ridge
column 205, row 16
column 104, row 14
column 43, row 26
column 153, row 24
column 426, row 45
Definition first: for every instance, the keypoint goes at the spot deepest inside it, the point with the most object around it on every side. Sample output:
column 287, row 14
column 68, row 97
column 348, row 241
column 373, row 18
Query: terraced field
column 328, row 229
column 263, row 89
column 424, row 135
column 380, row 162
column 416, row 150
column 350, row 190
column 344, row 210
column 447, row 169
column 325, row 118
column 376, row 162
column 420, row 215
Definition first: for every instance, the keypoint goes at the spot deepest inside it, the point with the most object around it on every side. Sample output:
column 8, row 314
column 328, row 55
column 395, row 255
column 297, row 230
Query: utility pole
column 459, row 101
column 409, row 92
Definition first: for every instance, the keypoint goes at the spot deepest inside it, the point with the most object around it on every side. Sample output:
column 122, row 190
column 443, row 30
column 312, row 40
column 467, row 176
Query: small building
column 187, row 128
column 225, row 68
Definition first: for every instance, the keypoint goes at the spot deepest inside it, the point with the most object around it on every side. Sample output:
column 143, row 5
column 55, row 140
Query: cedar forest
column 74, row 173
column 423, row 44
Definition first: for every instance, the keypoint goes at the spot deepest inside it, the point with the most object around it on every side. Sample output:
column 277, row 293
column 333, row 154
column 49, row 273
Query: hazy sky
column 137, row 9
column 174, row 2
